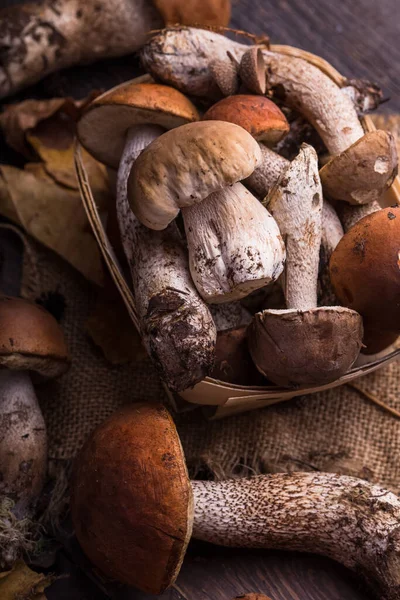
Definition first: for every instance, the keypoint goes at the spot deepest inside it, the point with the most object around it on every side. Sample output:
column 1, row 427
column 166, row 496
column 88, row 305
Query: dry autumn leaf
column 21, row 583
column 43, row 198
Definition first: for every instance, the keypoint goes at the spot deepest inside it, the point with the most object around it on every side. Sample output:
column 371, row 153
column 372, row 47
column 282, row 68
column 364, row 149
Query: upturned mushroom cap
column 365, row 269
column 256, row 114
column 131, row 503
column 294, row 348
column 363, row 172
column 184, row 166
column 102, row 128
column 31, row 339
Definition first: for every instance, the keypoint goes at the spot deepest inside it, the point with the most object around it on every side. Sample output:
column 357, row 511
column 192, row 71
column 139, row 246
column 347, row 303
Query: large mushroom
column 38, row 38
column 134, row 509
column 177, row 327
column 31, row 342
column 234, row 243
column 362, row 166
column 365, row 269
column 303, row 344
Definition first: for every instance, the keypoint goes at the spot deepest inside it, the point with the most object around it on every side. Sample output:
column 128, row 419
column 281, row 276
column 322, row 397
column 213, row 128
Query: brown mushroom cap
column 296, row 348
column 256, row 114
column 31, row 339
column 363, row 172
column 376, row 341
column 365, row 269
column 102, row 128
column 232, row 358
column 184, row 166
column 131, row 503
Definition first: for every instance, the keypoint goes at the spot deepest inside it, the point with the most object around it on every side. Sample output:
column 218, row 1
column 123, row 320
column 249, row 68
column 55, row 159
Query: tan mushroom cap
column 102, row 128
column 300, row 348
column 256, row 114
column 131, row 503
column 365, row 269
column 31, row 339
column 363, row 172
column 184, row 166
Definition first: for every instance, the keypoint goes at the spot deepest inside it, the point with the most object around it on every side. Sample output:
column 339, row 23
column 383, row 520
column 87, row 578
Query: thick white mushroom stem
column 23, row 462
column 39, row 38
column 346, row 519
column 234, row 245
column 296, row 204
column 177, row 328
column 182, row 57
column 267, row 174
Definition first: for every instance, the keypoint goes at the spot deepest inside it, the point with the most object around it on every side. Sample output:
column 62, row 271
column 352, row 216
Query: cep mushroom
column 303, row 344
column 134, row 509
column 31, row 342
column 234, row 244
column 362, row 166
column 38, row 38
column 177, row 327
column 365, row 269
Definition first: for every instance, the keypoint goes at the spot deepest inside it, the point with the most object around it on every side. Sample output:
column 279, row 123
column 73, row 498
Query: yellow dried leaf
column 53, row 215
column 21, row 583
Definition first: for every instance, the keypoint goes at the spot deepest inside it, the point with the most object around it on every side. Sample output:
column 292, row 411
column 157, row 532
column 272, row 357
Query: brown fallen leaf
column 111, row 328
column 53, row 215
column 21, row 583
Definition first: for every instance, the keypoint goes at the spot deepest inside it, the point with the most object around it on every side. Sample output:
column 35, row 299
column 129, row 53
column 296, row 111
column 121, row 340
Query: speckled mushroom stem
column 332, row 233
column 23, row 460
column 296, row 204
column 39, row 38
column 346, row 519
column 234, row 245
column 181, row 57
column 267, row 174
column 350, row 214
column 177, row 327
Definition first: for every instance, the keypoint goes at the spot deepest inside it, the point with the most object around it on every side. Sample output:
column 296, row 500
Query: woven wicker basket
column 224, row 399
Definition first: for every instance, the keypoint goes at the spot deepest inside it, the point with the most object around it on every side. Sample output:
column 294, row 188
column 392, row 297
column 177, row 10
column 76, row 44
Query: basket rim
column 118, row 276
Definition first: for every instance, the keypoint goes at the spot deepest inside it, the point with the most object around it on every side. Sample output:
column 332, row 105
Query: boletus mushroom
column 365, row 269
column 303, row 344
column 177, row 328
column 38, row 38
column 234, row 244
column 362, row 167
column 134, row 509
column 31, row 342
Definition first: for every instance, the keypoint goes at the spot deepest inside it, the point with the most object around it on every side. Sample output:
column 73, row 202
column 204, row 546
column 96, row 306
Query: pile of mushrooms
column 215, row 220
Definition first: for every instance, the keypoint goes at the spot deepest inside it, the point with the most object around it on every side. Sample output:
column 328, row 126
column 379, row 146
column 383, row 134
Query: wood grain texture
column 361, row 39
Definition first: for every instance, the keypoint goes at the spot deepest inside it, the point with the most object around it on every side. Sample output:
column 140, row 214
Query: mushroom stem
column 234, row 245
column 350, row 214
column 296, row 204
column 23, row 459
column 347, row 519
column 332, row 233
column 177, row 327
column 39, row 38
column 182, row 57
column 267, row 174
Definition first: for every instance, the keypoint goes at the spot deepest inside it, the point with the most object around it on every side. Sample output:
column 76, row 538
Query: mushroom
column 233, row 362
column 253, row 71
column 39, row 38
column 350, row 214
column 365, row 269
column 303, row 344
column 177, row 327
column 134, row 509
column 234, row 244
column 31, row 341
column 229, row 315
column 331, row 234
column 363, row 165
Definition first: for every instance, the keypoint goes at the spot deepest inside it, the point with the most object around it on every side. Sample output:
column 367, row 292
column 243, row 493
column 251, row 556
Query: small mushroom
column 365, row 269
column 234, row 243
column 31, row 342
column 226, row 76
column 177, row 327
column 38, row 38
column 303, row 344
column 134, row 509
column 253, row 71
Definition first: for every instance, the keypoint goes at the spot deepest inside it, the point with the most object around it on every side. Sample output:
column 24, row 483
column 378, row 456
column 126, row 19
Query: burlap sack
column 338, row 430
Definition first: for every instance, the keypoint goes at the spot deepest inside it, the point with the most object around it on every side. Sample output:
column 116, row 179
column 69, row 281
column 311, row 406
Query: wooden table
column 361, row 39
